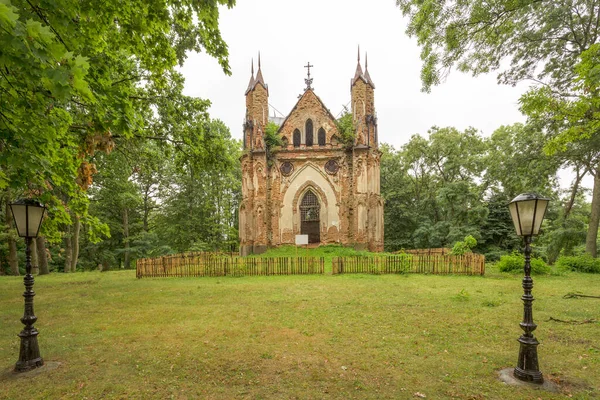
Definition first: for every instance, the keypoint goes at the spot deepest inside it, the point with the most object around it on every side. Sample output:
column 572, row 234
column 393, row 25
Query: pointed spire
column 367, row 76
column 259, row 77
column 359, row 72
column 251, row 83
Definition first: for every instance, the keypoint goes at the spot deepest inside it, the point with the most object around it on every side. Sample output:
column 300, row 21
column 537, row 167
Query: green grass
column 299, row 337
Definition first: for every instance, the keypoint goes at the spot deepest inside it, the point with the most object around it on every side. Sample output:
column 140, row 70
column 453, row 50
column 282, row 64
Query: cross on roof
column 308, row 80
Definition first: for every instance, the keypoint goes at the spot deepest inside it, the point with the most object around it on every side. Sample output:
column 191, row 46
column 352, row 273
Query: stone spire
column 367, row 76
column 259, row 77
column 359, row 73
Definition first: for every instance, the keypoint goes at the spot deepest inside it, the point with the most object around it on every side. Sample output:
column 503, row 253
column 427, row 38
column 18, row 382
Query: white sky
column 288, row 34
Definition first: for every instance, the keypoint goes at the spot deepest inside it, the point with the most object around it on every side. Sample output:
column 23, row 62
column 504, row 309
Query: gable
column 309, row 106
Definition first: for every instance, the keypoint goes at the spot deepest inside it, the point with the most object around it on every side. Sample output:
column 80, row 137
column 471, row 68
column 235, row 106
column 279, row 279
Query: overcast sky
column 288, row 34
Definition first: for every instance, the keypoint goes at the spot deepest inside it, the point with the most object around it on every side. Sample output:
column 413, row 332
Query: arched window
column 309, row 133
column 309, row 217
column 321, row 137
column 296, row 138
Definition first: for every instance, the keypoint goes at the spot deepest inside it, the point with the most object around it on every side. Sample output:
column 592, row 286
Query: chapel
column 317, row 183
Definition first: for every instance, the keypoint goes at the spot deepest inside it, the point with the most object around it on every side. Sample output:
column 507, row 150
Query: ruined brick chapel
column 314, row 183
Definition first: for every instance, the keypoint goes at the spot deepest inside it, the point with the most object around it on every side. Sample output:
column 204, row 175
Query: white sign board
column 301, row 239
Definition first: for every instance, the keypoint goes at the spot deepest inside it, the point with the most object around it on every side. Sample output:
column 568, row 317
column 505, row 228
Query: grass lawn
column 304, row 337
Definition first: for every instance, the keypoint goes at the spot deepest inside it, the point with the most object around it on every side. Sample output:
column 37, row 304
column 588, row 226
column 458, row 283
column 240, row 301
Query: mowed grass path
column 304, row 337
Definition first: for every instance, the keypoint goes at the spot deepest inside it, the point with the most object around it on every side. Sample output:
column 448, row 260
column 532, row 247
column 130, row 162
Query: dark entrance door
column 309, row 217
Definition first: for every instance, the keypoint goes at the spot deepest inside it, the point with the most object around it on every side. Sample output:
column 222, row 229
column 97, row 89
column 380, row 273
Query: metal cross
column 308, row 80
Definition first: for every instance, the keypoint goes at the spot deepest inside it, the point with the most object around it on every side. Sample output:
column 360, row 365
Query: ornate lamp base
column 29, row 355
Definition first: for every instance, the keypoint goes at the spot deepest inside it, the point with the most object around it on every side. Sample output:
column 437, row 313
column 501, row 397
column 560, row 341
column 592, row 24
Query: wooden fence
column 438, row 250
column 214, row 264
column 467, row 264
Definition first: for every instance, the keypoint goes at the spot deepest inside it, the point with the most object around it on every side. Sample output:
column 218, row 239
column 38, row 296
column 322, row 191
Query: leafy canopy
column 78, row 76
column 541, row 40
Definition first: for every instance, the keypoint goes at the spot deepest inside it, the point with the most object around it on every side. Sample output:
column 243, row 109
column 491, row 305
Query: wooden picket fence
column 215, row 264
column 467, row 264
column 437, row 250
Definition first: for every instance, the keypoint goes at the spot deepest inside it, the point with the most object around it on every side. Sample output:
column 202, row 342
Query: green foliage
column 518, row 38
column 345, row 126
column 565, row 234
column 493, row 254
column 573, row 118
column 516, row 162
column 515, row 263
column 583, row 263
column 430, row 186
column 553, row 44
column 272, row 139
column 78, row 77
column 464, row 246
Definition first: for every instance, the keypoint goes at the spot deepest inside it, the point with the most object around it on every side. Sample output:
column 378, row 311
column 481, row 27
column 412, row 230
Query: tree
column 573, row 122
column 516, row 162
column 199, row 210
column 74, row 78
column 431, row 188
column 400, row 220
column 541, row 40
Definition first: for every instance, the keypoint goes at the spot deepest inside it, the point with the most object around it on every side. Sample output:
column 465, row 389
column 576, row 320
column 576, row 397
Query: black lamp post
column 527, row 211
column 28, row 215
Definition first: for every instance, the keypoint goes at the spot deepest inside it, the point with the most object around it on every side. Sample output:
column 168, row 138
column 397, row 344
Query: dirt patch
column 10, row 374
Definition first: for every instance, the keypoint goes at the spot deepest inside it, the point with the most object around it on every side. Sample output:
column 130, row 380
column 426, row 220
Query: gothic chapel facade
column 313, row 184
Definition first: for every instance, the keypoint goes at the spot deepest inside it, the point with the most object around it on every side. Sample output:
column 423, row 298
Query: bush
column 465, row 246
column 584, row 263
column 515, row 262
column 494, row 255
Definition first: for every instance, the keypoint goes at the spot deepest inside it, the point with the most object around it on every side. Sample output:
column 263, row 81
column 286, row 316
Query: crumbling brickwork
column 344, row 205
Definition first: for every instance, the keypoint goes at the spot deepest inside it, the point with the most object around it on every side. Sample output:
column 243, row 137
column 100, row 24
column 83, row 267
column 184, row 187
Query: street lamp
column 28, row 215
column 527, row 211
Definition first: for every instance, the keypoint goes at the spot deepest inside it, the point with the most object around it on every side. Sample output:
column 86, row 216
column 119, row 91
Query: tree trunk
column 574, row 190
column 13, row 259
column 126, row 237
column 35, row 266
column 146, row 208
column 42, row 255
column 68, row 240
column 75, row 244
column 592, row 234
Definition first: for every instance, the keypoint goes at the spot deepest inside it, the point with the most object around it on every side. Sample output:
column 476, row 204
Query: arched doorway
column 309, row 217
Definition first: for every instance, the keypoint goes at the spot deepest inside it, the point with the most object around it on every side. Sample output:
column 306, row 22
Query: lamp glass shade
column 28, row 215
column 527, row 211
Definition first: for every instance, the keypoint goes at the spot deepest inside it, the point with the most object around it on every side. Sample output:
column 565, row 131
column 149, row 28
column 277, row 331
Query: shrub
column 345, row 126
column 584, row 263
column 465, row 246
column 515, row 262
column 494, row 255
